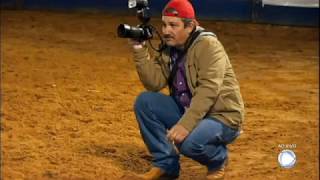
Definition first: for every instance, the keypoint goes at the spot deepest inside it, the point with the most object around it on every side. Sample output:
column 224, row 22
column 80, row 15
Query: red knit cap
column 179, row 8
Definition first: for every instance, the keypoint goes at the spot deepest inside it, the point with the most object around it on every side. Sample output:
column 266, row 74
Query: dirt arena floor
column 68, row 86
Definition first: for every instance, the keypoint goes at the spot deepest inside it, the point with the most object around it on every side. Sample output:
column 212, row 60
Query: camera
column 143, row 31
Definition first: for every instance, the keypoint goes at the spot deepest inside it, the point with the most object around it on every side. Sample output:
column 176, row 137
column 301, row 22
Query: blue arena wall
column 230, row 10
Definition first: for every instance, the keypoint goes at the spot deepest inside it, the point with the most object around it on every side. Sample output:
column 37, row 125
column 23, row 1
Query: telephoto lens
column 138, row 33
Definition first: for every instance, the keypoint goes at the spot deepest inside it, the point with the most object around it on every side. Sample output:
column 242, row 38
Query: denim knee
column 190, row 149
column 142, row 99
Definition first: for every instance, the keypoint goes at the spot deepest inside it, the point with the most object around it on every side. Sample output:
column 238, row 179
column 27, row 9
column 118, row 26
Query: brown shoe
column 156, row 173
column 216, row 174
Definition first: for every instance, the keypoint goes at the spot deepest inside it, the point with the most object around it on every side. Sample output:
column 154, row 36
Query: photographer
column 204, row 110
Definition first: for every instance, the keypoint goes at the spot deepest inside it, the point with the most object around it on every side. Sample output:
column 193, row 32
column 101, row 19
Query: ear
column 196, row 23
column 191, row 26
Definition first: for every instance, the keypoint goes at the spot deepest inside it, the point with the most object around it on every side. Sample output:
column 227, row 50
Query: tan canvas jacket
column 210, row 77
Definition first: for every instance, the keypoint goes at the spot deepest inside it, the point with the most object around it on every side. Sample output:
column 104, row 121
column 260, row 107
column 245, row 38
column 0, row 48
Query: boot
column 156, row 173
column 216, row 174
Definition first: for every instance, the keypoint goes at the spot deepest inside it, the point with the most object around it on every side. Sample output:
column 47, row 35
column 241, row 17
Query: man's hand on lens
column 177, row 133
column 136, row 44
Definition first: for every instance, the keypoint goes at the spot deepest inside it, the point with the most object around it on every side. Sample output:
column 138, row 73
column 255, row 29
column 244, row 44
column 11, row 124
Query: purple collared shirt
column 181, row 91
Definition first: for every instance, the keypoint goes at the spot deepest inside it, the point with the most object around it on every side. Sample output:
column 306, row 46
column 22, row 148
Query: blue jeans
column 156, row 113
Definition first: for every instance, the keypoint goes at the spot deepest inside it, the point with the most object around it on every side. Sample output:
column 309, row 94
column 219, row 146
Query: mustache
column 166, row 36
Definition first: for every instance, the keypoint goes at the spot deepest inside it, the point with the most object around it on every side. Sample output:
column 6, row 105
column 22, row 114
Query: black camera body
column 143, row 31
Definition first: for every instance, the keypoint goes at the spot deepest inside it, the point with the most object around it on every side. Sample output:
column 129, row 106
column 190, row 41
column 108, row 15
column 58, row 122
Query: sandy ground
column 68, row 86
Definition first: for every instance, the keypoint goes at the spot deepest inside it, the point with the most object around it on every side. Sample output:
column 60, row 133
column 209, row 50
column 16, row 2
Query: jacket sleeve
column 211, row 58
column 149, row 71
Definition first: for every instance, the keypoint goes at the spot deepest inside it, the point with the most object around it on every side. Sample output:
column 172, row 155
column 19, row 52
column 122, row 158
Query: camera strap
column 174, row 69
